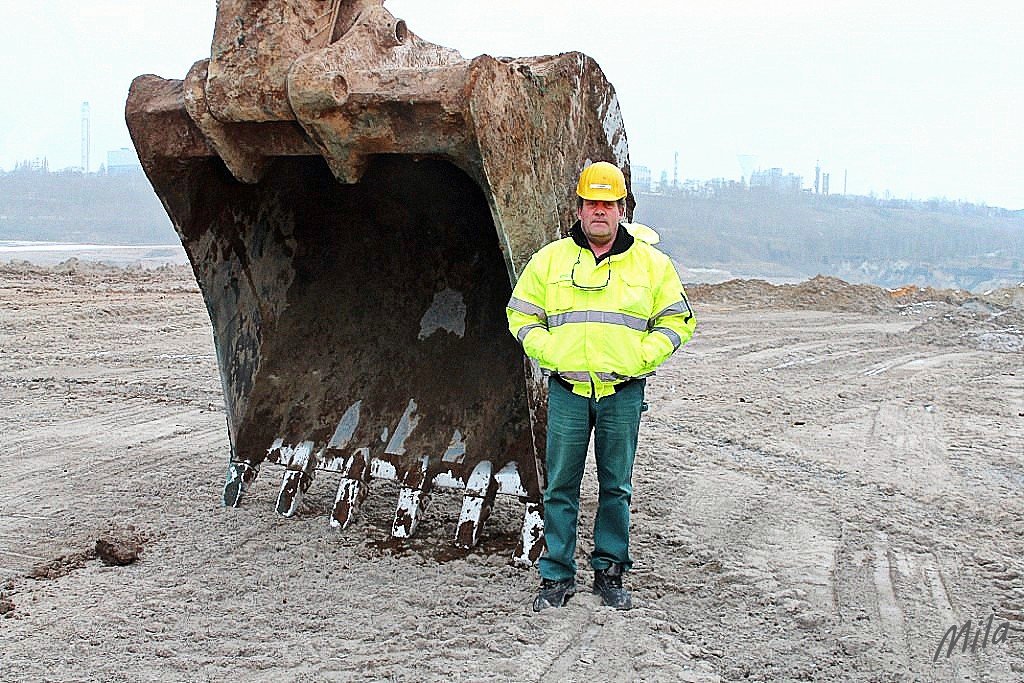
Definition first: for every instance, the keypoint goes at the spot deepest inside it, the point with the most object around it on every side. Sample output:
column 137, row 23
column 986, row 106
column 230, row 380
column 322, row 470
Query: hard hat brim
column 601, row 196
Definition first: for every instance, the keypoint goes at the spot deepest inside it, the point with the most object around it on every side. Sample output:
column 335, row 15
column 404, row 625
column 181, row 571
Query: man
column 599, row 310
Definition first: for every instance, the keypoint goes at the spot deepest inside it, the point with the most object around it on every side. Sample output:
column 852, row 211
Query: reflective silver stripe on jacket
column 525, row 329
column 527, row 308
column 681, row 307
column 630, row 321
column 672, row 336
column 603, row 376
column 585, row 376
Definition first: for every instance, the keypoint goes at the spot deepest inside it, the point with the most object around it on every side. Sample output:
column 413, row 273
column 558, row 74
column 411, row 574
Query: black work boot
column 554, row 593
column 608, row 584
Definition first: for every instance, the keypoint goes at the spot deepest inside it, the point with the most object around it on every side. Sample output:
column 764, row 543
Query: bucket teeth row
column 481, row 488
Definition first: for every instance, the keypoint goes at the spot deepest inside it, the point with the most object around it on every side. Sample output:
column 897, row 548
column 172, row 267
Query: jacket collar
column 623, row 241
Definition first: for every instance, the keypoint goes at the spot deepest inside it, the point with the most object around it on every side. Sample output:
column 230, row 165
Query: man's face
column 600, row 220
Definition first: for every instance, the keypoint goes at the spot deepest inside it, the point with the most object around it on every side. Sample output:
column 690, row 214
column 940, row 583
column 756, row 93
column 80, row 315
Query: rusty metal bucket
column 356, row 204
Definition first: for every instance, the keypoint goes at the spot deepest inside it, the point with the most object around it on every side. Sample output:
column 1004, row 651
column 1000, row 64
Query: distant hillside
column 715, row 232
column 743, row 233
column 91, row 208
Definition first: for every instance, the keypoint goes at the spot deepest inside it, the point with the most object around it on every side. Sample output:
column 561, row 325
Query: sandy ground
column 828, row 479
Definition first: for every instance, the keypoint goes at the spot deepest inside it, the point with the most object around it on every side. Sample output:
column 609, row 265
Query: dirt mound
column 62, row 565
column 117, row 551
column 114, row 548
column 820, row 293
column 92, row 273
column 991, row 301
column 96, row 269
column 826, row 293
column 971, row 325
column 990, row 321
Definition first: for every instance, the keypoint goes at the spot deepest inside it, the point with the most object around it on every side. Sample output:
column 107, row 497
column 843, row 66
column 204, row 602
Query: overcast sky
column 920, row 98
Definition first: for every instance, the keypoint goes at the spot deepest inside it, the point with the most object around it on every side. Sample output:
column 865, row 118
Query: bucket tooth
column 413, row 500
column 412, row 505
column 476, row 505
column 531, row 541
column 300, row 469
column 352, row 491
column 241, row 474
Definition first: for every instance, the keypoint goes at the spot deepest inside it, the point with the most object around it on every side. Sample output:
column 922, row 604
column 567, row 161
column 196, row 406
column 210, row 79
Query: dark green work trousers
column 615, row 422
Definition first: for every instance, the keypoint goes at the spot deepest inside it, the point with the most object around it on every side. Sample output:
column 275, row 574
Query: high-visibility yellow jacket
column 599, row 323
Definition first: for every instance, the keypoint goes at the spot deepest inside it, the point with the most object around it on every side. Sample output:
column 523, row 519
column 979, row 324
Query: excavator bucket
column 356, row 203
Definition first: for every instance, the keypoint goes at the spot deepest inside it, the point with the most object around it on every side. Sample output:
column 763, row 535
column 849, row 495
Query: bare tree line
column 73, row 207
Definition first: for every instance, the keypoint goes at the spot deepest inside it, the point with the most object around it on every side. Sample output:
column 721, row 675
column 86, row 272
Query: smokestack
column 85, row 137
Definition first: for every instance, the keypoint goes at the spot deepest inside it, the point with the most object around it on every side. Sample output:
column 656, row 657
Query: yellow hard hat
column 602, row 181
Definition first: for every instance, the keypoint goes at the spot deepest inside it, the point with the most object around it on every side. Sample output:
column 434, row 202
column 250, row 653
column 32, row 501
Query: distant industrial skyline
column 918, row 99
column 750, row 172
column 125, row 158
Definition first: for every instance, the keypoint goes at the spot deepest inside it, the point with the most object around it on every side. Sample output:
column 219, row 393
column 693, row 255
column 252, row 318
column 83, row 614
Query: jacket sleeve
column 673, row 322
column 527, row 319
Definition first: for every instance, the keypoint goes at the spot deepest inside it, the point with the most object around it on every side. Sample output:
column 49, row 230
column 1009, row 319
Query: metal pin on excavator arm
column 356, row 203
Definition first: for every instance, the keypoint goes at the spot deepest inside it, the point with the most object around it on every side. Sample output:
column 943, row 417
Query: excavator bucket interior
column 356, row 203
